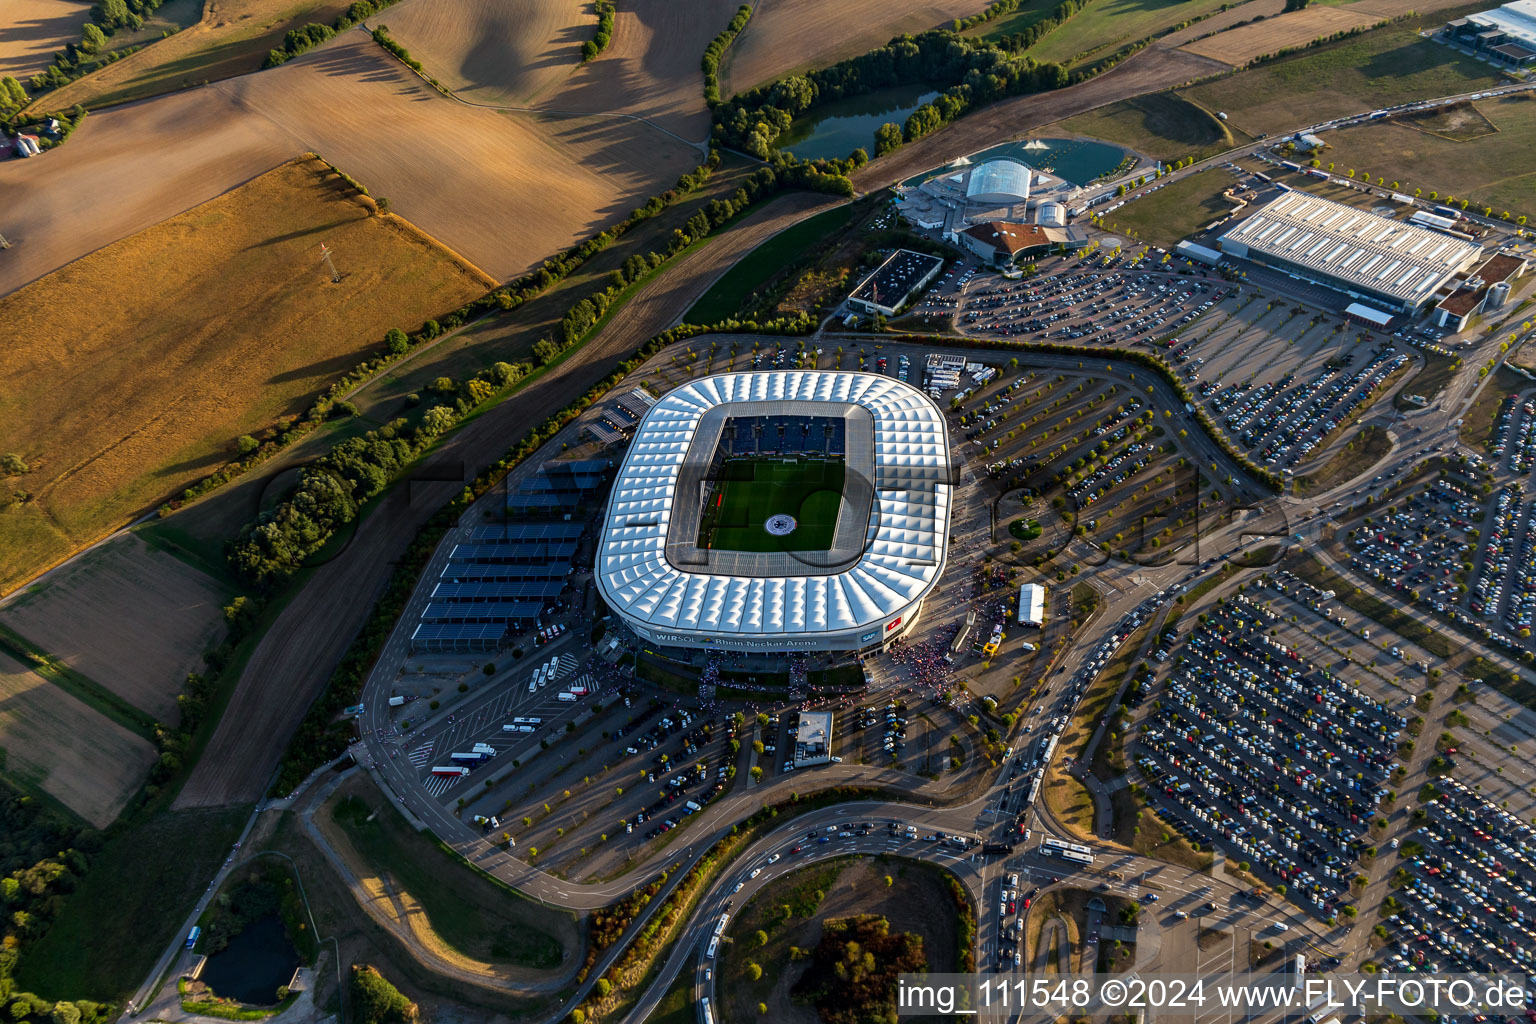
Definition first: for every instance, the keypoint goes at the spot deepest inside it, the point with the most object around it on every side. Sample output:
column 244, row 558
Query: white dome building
column 998, row 183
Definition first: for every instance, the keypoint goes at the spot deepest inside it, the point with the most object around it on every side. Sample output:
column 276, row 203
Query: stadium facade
column 887, row 549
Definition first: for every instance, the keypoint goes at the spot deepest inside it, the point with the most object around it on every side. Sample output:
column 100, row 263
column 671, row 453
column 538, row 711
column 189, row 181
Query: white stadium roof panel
column 904, row 547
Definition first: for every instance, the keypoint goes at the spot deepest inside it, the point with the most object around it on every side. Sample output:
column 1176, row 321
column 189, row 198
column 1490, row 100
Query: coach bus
column 535, row 722
column 1057, row 844
column 1075, row 857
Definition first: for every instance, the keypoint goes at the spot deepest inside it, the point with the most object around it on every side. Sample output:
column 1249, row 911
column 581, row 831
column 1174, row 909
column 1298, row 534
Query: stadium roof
column 998, row 181
column 904, row 543
column 1355, row 248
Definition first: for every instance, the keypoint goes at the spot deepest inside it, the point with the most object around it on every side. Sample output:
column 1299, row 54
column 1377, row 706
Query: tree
column 762, row 937
column 887, row 138
column 92, row 38
column 604, row 986
column 757, row 774
column 65, row 1012
column 376, row 1001
column 110, row 14
column 396, row 341
column 11, row 464
column 245, row 444
column 754, row 971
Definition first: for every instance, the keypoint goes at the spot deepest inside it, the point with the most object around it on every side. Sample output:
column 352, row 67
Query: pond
column 1078, row 161
column 840, row 127
column 254, row 965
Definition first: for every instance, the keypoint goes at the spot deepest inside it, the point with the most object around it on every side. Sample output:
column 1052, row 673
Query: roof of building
column 1517, row 18
column 1368, row 313
column 1498, row 267
column 1359, row 249
column 904, row 543
column 1009, row 237
column 893, row 280
column 1002, row 181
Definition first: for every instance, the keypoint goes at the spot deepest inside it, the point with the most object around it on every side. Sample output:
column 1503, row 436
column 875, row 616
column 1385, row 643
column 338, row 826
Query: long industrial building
column 891, row 535
column 1385, row 261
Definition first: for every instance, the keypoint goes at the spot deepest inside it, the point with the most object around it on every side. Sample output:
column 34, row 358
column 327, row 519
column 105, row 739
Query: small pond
column 840, row 127
column 254, row 965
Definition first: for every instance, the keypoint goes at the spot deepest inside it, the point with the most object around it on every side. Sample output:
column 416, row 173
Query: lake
column 254, row 965
column 840, row 127
column 1079, row 161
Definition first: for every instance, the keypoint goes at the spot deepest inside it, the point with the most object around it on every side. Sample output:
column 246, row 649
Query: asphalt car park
column 1465, row 895
column 1279, row 762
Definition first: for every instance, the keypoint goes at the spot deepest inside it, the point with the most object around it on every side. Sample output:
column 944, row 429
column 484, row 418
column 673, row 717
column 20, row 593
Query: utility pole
column 325, row 257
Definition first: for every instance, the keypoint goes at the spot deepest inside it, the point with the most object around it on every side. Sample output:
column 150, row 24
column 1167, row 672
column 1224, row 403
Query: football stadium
column 789, row 510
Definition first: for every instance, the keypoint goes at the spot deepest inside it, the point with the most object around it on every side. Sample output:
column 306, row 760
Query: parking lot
column 1465, row 894
column 1277, row 760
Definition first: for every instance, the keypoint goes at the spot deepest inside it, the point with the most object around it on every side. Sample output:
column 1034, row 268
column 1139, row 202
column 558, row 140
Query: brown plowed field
column 801, row 35
column 66, row 748
column 504, row 190
column 129, row 373
column 493, row 50
column 294, row 659
column 1150, row 70
column 1238, row 46
column 31, row 30
column 95, row 614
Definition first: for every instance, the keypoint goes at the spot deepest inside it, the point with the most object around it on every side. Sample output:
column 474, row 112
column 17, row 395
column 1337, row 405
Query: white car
column 739, row 886
column 755, row 872
column 774, row 859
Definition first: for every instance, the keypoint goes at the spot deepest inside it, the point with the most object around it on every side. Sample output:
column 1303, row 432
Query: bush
column 376, row 1001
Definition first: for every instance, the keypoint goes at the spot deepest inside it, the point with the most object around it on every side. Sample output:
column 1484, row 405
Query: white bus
column 720, row 925
column 709, row 1017
column 535, row 722
column 1058, row 844
column 714, row 944
column 1073, row 855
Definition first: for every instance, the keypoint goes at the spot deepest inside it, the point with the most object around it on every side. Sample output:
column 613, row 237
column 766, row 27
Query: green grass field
column 1378, row 68
column 752, row 490
column 1162, row 125
column 1178, row 209
column 1026, row 14
column 727, row 295
column 1106, row 25
column 1498, row 170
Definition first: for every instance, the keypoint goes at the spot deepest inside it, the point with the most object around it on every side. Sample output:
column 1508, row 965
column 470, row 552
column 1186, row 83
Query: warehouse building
column 895, row 282
column 1506, row 34
column 1485, row 288
column 1384, row 261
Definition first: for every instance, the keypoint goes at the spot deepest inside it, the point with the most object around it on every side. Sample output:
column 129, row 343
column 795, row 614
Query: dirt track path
column 1151, row 70
column 293, row 660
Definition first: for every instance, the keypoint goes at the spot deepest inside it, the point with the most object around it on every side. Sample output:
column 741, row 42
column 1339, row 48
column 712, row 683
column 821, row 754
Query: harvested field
column 504, row 190
column 70, row 751
column 651, row 69
column 1162, row 125
column 1495, row 169
column 126, row 591
column 176, row 340
column 1240, row 45
column 54, row 211
column 489, row 53
column 231, row 38
column 492, row 51
column 800, row 35
column 1379, row 68
column 31, row 30
column 1105, row 26
column 294, row 658
column 1151, row 70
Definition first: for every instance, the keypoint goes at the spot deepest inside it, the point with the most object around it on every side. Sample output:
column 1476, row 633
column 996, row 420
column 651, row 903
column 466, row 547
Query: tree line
column 302, row 40
column 92, row 51
column 716, row 50
column 604, row 34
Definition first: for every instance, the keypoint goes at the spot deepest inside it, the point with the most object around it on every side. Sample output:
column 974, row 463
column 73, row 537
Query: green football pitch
column 750, row 491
